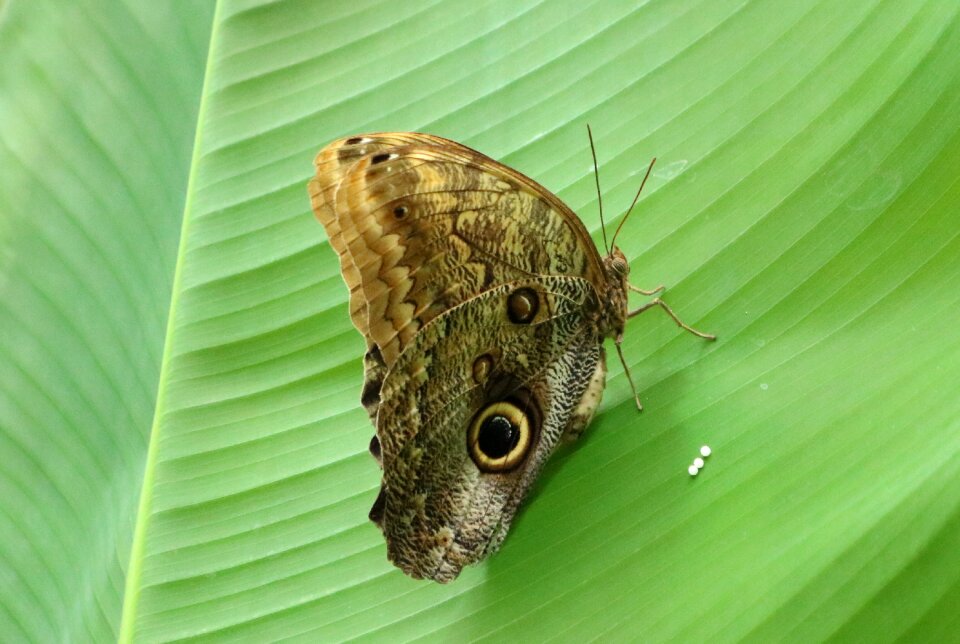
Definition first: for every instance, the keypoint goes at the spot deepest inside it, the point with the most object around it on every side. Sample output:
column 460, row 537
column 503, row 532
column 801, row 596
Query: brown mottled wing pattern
column 441, row 512
column 422, row 224
column 434, row 239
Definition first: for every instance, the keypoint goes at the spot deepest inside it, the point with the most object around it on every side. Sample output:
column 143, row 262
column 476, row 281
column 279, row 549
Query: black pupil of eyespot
column 498, row 436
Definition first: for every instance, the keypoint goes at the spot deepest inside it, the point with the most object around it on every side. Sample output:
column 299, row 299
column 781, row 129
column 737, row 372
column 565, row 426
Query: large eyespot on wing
column 470, row 411
column 501, row 434
column 422, row 224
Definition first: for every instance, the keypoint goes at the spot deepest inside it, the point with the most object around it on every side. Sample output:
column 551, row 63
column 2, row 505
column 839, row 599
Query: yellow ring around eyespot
column 515, row 456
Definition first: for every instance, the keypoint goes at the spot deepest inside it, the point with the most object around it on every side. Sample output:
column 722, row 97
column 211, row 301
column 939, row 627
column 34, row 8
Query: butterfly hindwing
column 443, row 508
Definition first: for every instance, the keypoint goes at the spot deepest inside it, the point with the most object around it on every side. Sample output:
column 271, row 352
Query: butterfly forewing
column 396, row 205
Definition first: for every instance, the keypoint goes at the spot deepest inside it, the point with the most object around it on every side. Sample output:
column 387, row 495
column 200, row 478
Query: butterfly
column 484, row 305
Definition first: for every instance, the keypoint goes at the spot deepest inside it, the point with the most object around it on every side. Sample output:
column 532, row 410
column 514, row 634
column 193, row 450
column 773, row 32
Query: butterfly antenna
column 637, row 196
column 596, row 176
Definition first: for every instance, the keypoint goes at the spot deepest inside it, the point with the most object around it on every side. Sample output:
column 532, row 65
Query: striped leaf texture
column 182, row 449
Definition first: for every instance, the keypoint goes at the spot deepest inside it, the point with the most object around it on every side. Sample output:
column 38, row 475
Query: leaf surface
column 804, row 207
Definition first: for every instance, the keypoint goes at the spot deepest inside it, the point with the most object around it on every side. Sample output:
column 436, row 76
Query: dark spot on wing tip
column 354, row 140
column 376, row 512
column 380, row 158
column 375, row 448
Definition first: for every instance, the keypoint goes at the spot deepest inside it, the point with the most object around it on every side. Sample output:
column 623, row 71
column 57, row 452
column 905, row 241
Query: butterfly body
column 484, row 305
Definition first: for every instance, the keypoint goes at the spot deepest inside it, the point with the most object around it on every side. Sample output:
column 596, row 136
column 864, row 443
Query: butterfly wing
column 448, row 497
column 422, row 224
column 434, row 240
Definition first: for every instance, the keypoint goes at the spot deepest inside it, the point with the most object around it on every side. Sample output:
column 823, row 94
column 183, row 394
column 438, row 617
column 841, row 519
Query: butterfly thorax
column 613, row 317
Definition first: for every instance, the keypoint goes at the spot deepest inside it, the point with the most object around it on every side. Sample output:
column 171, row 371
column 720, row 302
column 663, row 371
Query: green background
column 183, row 452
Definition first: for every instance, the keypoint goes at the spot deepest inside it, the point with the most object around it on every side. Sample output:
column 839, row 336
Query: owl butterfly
column 484, row 305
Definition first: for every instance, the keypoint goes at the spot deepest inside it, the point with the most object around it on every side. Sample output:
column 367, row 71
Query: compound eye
column 500, row 437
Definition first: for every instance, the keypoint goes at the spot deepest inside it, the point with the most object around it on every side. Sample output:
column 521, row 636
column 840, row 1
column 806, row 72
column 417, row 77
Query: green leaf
column 184, row 455
column 98, row 105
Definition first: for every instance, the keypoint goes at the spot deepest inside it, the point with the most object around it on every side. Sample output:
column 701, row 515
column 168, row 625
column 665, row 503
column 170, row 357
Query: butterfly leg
column 585, row 410
column 626, row 370
column 653, row 291
column 658, row 302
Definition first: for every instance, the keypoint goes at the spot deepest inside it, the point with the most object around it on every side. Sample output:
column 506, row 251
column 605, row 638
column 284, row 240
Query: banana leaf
column 182, row 449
